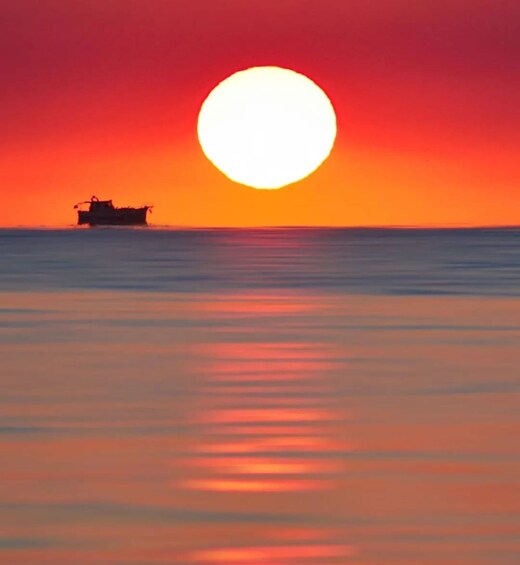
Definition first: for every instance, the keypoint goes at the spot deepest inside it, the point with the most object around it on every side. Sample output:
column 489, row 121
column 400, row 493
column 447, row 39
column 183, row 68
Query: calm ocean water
column 259, row 397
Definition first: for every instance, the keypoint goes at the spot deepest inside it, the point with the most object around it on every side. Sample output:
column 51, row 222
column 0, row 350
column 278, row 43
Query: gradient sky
column 102, row 97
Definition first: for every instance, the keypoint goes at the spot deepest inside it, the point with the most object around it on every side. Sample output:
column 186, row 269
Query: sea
column 259, row 396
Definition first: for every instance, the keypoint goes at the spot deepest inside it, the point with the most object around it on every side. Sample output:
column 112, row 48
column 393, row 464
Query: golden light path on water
column 268, row 427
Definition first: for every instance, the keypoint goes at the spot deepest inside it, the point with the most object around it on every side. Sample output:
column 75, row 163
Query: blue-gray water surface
column 259, row 396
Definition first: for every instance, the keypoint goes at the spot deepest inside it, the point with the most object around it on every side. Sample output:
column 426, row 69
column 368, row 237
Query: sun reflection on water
column 265, row 436
column 267, row 426
column 282, row 555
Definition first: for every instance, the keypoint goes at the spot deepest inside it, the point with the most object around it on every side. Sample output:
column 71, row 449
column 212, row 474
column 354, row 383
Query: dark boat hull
column 114, row 217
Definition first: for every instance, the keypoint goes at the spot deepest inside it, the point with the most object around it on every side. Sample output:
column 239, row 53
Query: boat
column 104, row 213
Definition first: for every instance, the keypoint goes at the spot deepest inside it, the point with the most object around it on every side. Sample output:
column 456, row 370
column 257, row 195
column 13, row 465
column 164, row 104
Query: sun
column 267, row 127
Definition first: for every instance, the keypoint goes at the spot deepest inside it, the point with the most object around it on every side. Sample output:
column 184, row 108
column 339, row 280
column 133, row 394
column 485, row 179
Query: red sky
column 102, row 96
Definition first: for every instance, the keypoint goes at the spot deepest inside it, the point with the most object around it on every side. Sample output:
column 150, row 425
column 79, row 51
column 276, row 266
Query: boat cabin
column 98, row 205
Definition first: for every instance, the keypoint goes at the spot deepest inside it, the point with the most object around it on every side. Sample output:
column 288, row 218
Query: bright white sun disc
column 267, row 127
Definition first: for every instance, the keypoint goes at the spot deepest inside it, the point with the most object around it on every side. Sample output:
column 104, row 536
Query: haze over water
column 259, row 397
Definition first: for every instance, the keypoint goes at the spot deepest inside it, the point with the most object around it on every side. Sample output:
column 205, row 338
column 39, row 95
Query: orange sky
column 102, row 96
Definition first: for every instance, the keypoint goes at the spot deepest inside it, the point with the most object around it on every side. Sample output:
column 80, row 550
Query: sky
column 102, row 97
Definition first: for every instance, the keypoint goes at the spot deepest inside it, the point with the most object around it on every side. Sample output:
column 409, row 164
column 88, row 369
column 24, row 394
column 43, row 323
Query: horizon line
column 188, row 227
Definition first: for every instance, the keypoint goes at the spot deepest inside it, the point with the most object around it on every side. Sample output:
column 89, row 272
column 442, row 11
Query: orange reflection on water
column 253, row 485
column 267, row 417
column 266, row 425
column 285, row 444
column 279, row 555
column 282, row 432
column 256, row 304
column 266, row 465
column 269, row 351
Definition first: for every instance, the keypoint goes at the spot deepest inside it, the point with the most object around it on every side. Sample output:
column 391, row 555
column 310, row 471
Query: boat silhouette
column 104, row 213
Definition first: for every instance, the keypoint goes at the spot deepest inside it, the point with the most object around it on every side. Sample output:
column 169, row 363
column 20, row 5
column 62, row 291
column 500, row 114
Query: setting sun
column 267, row 127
